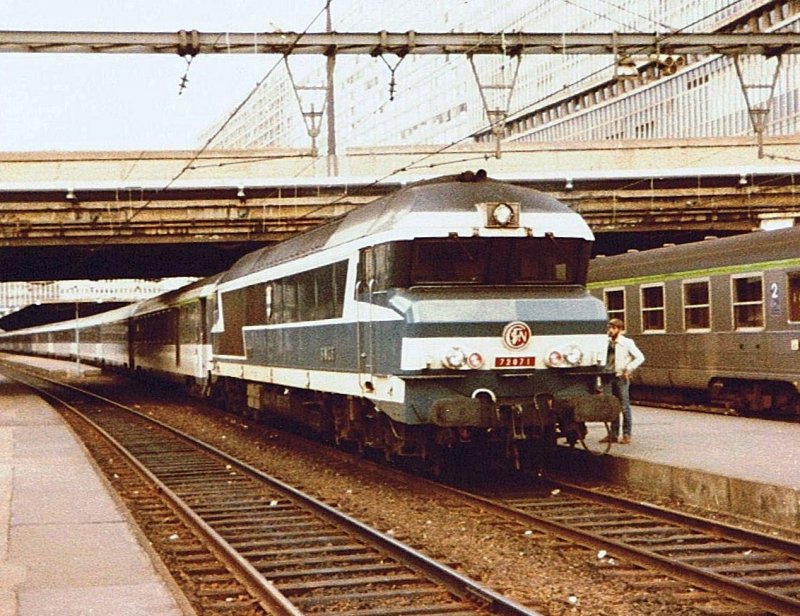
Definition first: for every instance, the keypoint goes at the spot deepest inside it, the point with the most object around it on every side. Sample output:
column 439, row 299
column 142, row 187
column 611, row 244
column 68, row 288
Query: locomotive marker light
column 475, row 360
column 501, row 215
column 458, row 359
column 571, row 356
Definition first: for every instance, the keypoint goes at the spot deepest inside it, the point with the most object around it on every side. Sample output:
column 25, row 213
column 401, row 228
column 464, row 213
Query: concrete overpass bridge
column 155, row 214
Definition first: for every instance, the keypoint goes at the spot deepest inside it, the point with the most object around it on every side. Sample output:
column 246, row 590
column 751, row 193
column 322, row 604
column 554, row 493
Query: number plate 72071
column 513, row 362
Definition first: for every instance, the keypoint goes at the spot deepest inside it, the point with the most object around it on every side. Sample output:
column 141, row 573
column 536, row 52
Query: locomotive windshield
column 477, row 261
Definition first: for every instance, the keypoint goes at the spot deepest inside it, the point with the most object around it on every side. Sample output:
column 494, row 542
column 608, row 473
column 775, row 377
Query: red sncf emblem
column 516, row 335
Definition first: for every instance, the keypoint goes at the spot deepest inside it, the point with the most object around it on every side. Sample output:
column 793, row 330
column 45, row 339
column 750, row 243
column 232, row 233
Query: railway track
column 755, row 569
column 253, row 544
column 751, row 568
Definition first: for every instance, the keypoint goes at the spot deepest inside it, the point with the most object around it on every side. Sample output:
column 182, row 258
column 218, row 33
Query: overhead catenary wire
column 419, row 162
column 220, row 128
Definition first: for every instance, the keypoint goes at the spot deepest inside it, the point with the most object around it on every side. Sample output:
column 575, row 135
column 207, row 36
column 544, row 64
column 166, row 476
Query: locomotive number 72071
column 513, row 362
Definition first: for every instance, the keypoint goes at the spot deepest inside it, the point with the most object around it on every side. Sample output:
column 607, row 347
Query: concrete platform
column 748, row 467
column 54, row 367
column 66, row 546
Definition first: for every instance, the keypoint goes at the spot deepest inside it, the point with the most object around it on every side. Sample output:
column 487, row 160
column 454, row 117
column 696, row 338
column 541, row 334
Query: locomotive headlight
column 455, row 358
column 566, row 358
column 573, row 356
column 502, row 214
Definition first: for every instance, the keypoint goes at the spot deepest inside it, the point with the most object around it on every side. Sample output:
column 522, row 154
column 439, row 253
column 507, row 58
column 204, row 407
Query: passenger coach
column 169, row 335
column 720, row 317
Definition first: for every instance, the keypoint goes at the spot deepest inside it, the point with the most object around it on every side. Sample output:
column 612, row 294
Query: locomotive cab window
column 696, row 305
column 748, row 301
column 474, row 261
column 451, row 261
column 499, row 261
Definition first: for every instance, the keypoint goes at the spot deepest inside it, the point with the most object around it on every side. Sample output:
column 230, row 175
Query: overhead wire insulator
column 185, row 78
column 188, row 43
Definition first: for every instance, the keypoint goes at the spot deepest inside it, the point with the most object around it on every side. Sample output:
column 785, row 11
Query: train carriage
column 100, row 339
column 169, row 334
column 719, row 317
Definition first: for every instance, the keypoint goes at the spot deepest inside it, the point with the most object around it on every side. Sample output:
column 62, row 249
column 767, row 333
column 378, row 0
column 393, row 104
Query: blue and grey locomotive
column 452, row 314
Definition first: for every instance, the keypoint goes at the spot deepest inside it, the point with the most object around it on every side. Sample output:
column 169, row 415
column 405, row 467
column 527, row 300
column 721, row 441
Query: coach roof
column 750, row 250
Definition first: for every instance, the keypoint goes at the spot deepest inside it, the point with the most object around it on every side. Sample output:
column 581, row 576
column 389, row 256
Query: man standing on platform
column 623, row 358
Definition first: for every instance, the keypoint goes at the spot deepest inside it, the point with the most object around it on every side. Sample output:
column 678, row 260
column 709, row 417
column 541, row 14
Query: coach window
column 794, row 296
column 696, row 305
column 748, row 301
column 615, row 303
column 653, row 308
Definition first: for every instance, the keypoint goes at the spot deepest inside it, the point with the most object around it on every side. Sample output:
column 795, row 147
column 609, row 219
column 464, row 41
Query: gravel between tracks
column 536, row 570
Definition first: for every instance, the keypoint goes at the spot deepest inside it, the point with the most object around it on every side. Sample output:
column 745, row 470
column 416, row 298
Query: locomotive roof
column 753, row 250
column 448, row 194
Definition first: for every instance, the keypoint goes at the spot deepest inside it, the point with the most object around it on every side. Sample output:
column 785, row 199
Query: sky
column 132, row 101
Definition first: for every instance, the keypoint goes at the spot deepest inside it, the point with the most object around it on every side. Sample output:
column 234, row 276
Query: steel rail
column 743, row 592
column 447, row 577
column 262, row 590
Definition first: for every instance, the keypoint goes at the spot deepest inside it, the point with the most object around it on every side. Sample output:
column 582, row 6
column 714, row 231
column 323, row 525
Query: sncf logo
column 516, row 335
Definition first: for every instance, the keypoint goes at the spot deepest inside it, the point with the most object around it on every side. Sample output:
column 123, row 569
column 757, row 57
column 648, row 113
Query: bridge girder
column 218, row 216
column 81, row 221
column 193, row 42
